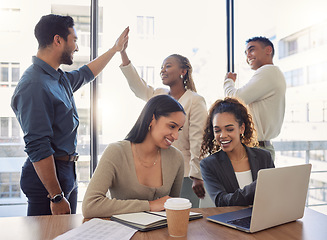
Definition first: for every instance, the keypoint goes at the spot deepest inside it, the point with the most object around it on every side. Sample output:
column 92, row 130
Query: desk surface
column 312, row 226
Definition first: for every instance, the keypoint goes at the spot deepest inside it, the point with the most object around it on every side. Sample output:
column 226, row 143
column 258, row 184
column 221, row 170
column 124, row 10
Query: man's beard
column 66, row 57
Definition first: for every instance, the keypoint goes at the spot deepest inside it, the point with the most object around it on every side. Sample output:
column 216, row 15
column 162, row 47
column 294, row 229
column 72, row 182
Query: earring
column 185, row 84
column 182, row 76
column 242, row 137
column 149, row 128
column 216, row 146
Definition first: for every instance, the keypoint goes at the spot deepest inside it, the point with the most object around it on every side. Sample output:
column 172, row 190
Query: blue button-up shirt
column 44, row 106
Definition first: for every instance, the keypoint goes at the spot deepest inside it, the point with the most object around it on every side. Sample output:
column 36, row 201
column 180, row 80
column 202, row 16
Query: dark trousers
column 187, row 192
column 38, row 202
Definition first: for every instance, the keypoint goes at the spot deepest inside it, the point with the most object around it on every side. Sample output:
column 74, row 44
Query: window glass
column 9, row 74
column 9, row 185
column 10, row 11
column 15, row 132
column 15, row 58
column 298, row 47
column 4, row 72
column 81, row 15
column 190, row 28
column 15, row 72
column 4, row 127
column 140, row 26
column 316, row 72
column 150, row 75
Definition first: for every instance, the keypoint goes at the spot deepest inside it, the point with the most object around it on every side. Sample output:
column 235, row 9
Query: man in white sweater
column 264, row 93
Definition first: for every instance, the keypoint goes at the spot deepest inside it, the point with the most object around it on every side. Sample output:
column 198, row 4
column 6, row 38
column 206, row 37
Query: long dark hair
column 158, row 106
column 239, row 110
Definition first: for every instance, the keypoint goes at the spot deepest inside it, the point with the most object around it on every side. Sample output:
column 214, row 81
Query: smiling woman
column 144, row 170
column 152, row 38
column 230, row 173
column 176, row 73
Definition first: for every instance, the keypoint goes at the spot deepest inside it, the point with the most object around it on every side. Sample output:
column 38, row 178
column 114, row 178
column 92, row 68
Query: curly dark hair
column 240, row 111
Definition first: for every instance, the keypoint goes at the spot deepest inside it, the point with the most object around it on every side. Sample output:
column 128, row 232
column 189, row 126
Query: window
column 317, row 73
column 319, row 35
column 81, row 15
column 147, row 73
column 294, row 77
column 299, row 48
column 156, row 32
column 296, row 113
column 318, row 194
column 9, row 74
column 324, row 113
column 15, row 72
column 15, row 134
column 9, row 129
column 318, row 155
column 4, row 73
column 13, row 13
column 4, row 127
column 303, row 40
column 145, row 27
column 9, row 185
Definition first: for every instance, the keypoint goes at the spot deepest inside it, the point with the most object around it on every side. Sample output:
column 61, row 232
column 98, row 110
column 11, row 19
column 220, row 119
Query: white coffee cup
column 178, row 213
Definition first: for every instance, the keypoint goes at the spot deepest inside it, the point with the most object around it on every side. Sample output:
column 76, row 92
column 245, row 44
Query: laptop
column 279, row 198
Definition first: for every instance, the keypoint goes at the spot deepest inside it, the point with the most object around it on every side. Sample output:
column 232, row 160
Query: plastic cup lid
column 177, row 204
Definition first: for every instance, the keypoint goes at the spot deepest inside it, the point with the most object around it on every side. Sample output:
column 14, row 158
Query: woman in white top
column 230, row 172
column 176, row 73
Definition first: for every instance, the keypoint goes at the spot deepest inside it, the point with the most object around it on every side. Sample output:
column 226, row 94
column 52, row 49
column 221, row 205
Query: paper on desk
column 99, row 229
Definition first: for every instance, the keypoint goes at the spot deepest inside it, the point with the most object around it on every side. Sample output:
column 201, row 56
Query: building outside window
column 9, row 185
column 10, row 11
column 294, row 77
column 4, row 127
column 298, row 53
column 145, row 27
column 9, row 74
column 147, row 73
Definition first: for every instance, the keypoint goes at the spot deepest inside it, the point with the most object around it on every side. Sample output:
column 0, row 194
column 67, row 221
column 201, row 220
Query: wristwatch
column 57, row 198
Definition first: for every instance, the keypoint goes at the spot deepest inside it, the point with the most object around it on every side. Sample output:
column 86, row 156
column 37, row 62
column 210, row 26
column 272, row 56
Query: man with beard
column 44, row 106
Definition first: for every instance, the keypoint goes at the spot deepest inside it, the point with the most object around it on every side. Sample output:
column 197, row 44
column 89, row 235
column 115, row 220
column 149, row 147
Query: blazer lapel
column 253, row 162
column 228, row 170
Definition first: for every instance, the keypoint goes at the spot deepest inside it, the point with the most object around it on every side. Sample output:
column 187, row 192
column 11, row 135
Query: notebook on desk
column 146, row 221
column 280, row 198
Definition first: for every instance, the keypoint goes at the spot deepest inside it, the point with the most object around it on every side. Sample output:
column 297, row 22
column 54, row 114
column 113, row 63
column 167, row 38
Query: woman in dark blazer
column 230, row 172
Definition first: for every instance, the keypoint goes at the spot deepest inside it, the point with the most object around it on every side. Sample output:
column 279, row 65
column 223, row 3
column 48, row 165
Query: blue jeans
column 38, row 202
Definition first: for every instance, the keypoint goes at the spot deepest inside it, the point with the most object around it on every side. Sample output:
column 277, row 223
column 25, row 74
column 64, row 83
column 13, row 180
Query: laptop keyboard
column 242, row 222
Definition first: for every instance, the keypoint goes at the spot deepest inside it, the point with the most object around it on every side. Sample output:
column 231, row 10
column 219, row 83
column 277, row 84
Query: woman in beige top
column 142, row 171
